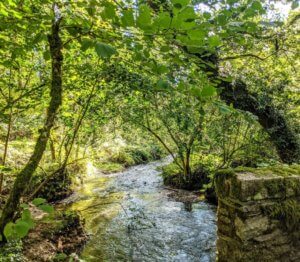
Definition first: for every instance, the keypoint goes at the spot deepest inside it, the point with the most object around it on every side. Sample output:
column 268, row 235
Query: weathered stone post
column 258, row 215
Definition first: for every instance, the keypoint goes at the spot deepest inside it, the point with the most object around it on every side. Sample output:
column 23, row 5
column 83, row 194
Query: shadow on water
column 132, row 218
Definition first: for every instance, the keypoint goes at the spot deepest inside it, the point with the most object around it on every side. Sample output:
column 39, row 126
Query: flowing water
column 131, row 217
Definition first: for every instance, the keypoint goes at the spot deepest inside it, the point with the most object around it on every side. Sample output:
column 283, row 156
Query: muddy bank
column 56, row 238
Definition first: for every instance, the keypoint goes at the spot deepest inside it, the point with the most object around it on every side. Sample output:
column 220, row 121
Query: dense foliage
column 213, row 84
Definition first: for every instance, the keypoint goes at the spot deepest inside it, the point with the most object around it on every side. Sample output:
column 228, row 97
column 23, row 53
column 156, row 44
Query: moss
column 293, row 185
column 287, row 212
column 225, row 172
column 274, row 187
column 220, row 177
column 110, row 167
column 282, row 170
column 258, row 196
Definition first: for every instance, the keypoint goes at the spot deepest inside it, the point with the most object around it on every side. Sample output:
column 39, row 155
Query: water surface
column 131, row 217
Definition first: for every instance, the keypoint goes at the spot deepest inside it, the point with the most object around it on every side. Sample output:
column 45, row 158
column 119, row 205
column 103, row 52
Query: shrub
column 122, row 157
column 200, row 176
column 130, row 156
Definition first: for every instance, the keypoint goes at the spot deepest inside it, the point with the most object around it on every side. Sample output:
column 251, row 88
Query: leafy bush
column 201, row 170
column 129, row 156
column 172, row 176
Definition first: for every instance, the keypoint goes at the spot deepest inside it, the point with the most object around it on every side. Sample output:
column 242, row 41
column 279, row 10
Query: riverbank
column 56, row 241
column 117, row 212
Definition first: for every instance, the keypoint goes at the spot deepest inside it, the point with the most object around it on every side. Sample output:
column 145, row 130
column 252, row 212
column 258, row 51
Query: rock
column 257, row 217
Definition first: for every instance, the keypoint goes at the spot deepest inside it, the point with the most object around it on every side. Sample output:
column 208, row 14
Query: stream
column 132, row 217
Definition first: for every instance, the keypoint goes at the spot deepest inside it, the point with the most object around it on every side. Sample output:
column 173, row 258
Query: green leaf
column 144, row 18
column 162, row 21
column 161, row 69
column 196, row 91
column 46, row 55
column 257, row 6
column 38, row 201
column 224, row 109
column 196, row 34
column 162, row 84
column 5, row 169
column 21, row 228
column 24, row 206
column 86, row 44
column 127, row 18
column 184, row 20
column 104, row 50
column 180, row 3
column 181, row 86
column 208, row 91
column 214, row 41
column 222, row 19
column 206, row 15
column 109, row 11
column 9, row 230
column 165, row 48
column 26, row 217
column 46, row 208
column 3, row 11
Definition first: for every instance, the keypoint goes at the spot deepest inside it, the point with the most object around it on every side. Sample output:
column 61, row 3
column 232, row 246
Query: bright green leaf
column 144, row 18
column 46, row 208
column 196, row 34
column 38, row 201
column 86, row 43
column 127, row 18
column 208, row 91
column 104, row 50
column 180, row 3
column 9, row 230
column 21, row 228
column 214, row 41
column 163, row 20
column 109, row 11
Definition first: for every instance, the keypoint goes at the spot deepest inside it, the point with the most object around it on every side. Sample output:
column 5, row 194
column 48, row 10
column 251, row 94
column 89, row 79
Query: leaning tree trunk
column 270, row 118
column 24, row 176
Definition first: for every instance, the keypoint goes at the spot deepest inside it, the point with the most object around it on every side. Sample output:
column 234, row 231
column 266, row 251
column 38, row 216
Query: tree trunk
column 52, row 149
column 187, row 166
column 9, row 125
column 26, row 173
column 270, row 118
column 77, row 126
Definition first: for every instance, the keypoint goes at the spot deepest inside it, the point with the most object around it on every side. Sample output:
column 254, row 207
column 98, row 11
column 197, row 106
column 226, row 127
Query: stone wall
column 258, row 216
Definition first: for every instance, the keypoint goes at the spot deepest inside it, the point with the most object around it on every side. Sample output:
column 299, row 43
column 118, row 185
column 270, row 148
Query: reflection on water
column 131, row 218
